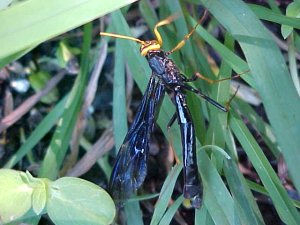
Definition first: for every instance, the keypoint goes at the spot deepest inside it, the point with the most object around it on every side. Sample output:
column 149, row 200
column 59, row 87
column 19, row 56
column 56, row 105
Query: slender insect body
column 191, row 189
column 168, row 73
column 130, row 168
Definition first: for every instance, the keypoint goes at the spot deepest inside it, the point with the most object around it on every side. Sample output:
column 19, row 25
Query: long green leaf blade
column 282, row 202
column 270, row 74
column 217, row 198
column 31, row 22
column 60, row 140
column 40, row 131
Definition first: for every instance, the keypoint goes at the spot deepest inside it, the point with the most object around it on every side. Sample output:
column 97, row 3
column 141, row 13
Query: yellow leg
column 199, row 75
column 227, row 104
column 186, row 37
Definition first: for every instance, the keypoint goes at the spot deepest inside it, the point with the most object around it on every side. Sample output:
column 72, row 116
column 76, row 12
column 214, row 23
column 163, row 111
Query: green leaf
column 215, row 149
column 4, row 4
column 39, row 197
column 243, row 199
column 39, row 193
column 133, row 212
column 270, row 74
column 60, row 141
column 20, row 28
column 7, row 59
column 202, row 217
column 76, row 201
column 278, row 194
column 293, row 10
column 293, row 61
column 40, row 131
column 15, row 196
column 217, row 198
column 65, row 53
column 276, row 17
column 167, row 218
column 165, row 194
column 264, row 129
column 119, row 95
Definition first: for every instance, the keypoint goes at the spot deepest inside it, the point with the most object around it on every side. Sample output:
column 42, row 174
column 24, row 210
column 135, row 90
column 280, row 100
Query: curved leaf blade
column 20, row 28
column 77, row 201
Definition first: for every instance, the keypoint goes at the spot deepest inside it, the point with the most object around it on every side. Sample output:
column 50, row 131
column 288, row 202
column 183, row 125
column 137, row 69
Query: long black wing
column 130, row 167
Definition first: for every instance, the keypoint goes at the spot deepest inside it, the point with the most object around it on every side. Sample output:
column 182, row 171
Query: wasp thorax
column 148, row 46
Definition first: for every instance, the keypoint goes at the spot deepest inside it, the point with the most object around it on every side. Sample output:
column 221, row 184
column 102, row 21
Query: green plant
column 66, row 200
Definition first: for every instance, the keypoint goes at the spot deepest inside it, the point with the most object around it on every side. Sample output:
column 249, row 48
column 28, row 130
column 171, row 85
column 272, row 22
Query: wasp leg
column 186, row 37
column 172, row 120
column 208, row 99
column 189, row 79
column 210, row 81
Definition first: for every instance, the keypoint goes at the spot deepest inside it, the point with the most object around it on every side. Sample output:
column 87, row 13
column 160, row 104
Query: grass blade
column 243, row 199
column 119, row 96
column 60, row 140
column 41, row 130
column 217, row 198
column 21, row 29
column 282, row 202
column 171, row 211
column 165, row 194
column 270, row 75
column 269, row 15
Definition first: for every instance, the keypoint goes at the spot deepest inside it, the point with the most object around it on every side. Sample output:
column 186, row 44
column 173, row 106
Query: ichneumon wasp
column 130, row 167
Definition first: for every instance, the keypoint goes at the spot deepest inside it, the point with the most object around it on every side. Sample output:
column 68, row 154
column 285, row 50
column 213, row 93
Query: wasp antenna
column 121, row 36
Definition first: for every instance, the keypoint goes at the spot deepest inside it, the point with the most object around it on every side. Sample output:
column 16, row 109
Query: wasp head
column 149, row 46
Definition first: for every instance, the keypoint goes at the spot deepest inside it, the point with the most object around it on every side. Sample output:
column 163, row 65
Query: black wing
column 130, row 167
